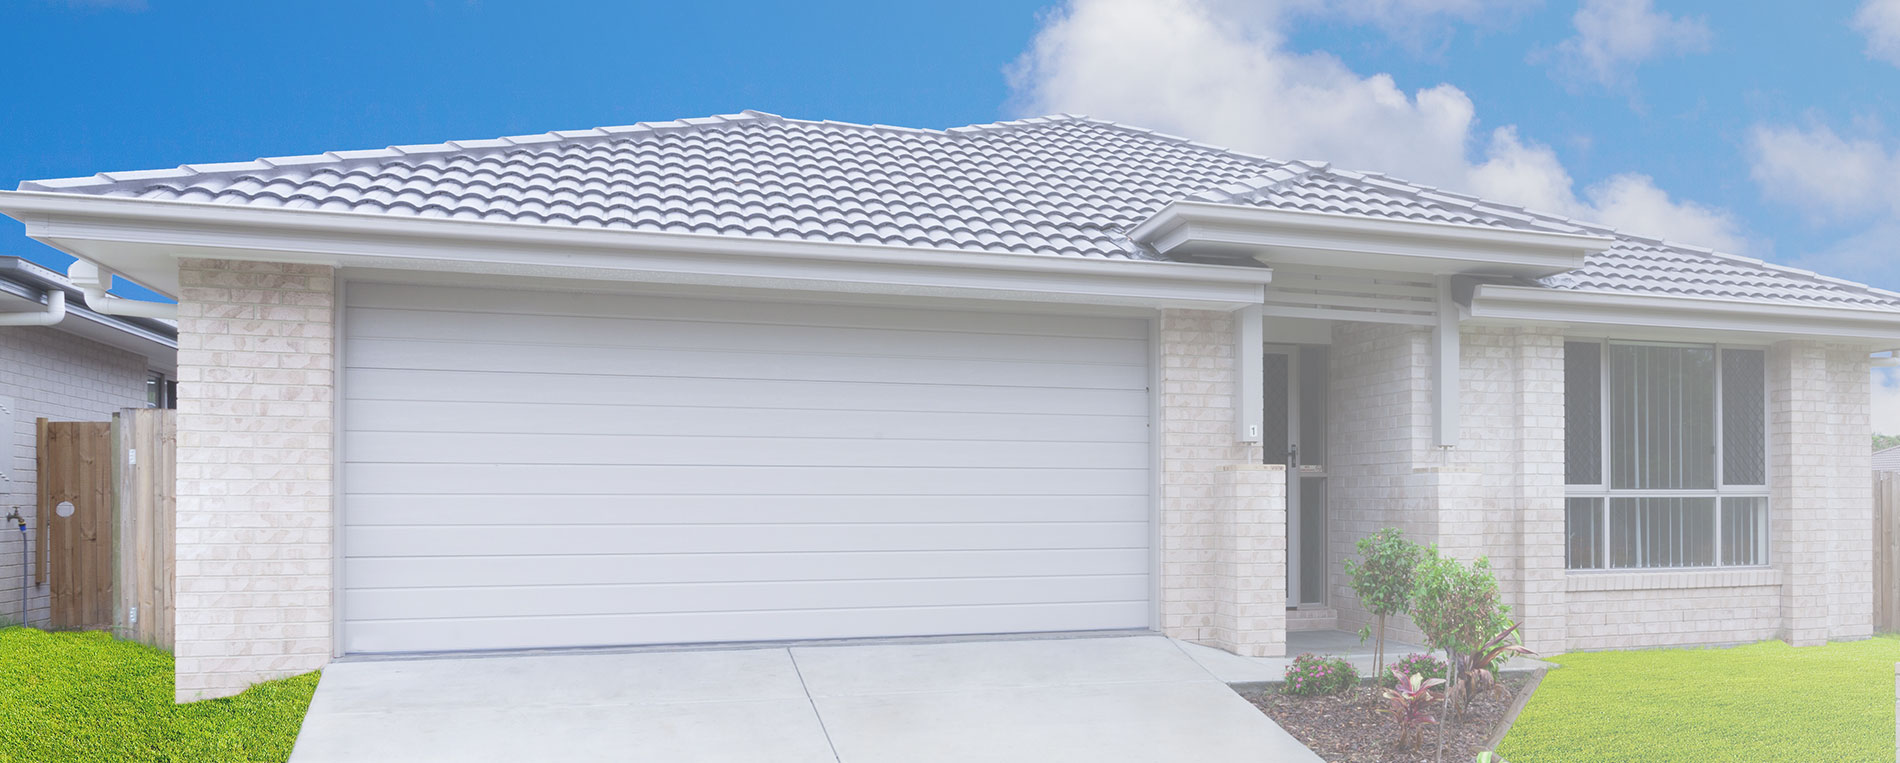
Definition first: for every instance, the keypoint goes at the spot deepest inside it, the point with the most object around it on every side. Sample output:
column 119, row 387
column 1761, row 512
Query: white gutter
column 142, row 239
column 1542, row 304
column 92, row 282
column 54, row 313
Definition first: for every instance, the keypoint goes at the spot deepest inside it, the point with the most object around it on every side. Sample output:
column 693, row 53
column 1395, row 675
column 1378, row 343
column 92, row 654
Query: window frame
column 1602, row 491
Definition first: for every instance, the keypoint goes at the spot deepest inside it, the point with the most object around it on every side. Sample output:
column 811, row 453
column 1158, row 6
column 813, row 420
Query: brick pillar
column 256, row 361
column 1196, row 387
column 1250, row 598
column 1799, row 480
column 1454, row 498
column 1850, row 553
column 1541, row 602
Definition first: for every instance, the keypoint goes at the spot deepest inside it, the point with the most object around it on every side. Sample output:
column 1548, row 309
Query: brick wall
column 55, row 375
column 1657, row 609
column 256, row 385
column 1197, row 383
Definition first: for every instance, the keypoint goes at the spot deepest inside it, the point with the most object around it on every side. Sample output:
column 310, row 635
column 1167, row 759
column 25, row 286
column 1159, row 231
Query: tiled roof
column 1887, row 459
column 1061, row 185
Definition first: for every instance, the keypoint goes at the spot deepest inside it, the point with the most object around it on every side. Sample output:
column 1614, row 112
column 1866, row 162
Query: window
column 1665, row 456
column 160, row 392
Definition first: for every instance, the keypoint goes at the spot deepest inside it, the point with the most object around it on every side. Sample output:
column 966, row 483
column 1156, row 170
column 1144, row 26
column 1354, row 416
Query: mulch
column 1344, row 728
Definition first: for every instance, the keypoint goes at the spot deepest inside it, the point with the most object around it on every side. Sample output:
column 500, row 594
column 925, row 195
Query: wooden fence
column 1886, row 551
column 145, row 441
column 106, row 515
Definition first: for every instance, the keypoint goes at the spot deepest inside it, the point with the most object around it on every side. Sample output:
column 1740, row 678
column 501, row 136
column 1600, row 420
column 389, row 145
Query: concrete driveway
column 1135, row 698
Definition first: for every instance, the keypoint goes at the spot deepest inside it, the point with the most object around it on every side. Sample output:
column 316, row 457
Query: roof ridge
column 1172, row 138
column 358, row 157
column 1475, row 203
column 1250, row 189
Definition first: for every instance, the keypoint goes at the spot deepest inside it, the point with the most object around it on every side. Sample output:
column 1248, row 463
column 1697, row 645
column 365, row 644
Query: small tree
column 1457, row 609
column 1383, row 582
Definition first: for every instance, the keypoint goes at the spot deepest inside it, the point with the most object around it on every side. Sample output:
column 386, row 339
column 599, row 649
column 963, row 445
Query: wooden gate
column 146, row 443
column 75, row 517
column 1886, row 551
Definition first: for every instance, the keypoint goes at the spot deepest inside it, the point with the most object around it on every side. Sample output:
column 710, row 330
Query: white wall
column 48, row 373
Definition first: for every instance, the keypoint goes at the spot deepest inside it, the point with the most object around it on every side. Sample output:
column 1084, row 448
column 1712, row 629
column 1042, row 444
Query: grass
column 1765, row 701
column 87, row 696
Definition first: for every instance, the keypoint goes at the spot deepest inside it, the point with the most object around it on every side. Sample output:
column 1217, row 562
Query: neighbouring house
column 748, row 378
column 1887, row 459
column 61, row 361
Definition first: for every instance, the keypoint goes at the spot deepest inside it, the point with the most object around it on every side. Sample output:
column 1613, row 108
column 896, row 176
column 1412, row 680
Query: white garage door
column 537, row 469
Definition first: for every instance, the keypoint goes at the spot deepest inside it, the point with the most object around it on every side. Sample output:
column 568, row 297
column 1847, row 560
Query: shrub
column 1409, row 703
column 1314, row 675
column 1416, row 663
column 1383, row 581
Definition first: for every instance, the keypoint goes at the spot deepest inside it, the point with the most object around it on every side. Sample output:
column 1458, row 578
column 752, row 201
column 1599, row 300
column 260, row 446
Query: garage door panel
column 504, row 358
column 415, row 447
column 530, row 470
column 501, row 540
column 677, row 628
column 372, row 573
column 483, row 387
column 570, row 479
column 463, row 300
column 633, row 420
column 563, row 601
column 449, row 510
column 644, row 334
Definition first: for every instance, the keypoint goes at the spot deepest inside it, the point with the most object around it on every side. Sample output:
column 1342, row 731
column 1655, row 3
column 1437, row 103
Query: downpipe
column 24, row 566
column 93, row 283
column 54, row 313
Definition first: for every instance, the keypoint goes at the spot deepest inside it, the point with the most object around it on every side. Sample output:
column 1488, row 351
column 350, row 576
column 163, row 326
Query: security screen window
column 1666, row 456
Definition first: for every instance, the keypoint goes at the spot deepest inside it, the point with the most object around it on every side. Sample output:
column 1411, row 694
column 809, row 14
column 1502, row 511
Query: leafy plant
column 1383, row 581
column 1481, row 665
column 1417, row 662
column 1314, row 675
column 1456, row 607
column 1409, row 703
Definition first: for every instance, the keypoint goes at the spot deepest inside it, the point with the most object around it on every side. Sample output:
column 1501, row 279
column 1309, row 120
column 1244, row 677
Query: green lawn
column 86, row 696
column 1760, row 702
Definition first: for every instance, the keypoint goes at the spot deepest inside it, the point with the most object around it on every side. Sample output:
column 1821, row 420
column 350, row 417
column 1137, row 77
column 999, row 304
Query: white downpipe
column 54, row 313
column 93, row 282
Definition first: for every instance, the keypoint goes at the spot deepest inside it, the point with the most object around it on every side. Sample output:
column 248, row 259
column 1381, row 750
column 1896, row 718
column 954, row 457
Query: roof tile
column 1060, row 185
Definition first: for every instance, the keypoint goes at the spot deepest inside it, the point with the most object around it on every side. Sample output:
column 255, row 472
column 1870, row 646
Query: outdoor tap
column 15, row 518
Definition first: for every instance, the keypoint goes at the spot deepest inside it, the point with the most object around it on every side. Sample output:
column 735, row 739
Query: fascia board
column 1532, row 304
column 131, row 228
column 1189, row 224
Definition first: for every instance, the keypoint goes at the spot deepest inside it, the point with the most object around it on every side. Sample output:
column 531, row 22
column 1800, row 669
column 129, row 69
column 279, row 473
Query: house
column 1887, row 459
column 60, row 360
column 748, row 378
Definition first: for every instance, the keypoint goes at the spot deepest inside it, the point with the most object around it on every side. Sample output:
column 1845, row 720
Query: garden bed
column 1346, row 728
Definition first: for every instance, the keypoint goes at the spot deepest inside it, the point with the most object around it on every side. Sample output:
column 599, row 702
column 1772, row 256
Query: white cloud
column 1183, row 66
column 1879, row 21
column 1614, row 36
column 1817, row 170
column 1886, row 401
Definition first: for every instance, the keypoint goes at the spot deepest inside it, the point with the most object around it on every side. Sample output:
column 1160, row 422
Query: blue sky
column 1769, row 129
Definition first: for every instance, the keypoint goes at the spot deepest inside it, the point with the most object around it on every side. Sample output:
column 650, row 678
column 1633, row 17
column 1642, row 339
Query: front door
column 1295, row 434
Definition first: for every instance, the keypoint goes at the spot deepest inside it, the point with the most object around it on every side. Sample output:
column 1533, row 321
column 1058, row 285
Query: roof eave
column 142, row 238
column 1502, row 302
column 1197, row 229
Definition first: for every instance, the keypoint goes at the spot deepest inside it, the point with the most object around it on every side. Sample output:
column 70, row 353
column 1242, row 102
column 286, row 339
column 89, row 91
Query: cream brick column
column 1196, row 378
column 1455, row 497
column 1250, row 607
column 1799, row 478
column 1541, row 604
column 256, row 367
column 1850, row 554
